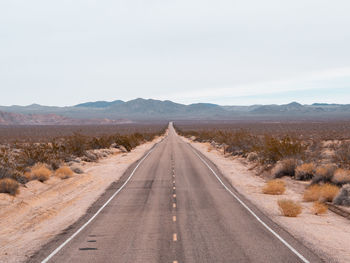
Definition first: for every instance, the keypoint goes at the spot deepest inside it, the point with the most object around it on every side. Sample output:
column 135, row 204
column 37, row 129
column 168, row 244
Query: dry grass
column 319, row 208
column 325, row 192
column 324, row 174
column 64, row 172
column 329, row 192
column 341, row 177
column 274, row 187
column 9, row 186
column 305, row 171
column 289, row 208
column 312, row 193
column 284, row 167
column 40, row 172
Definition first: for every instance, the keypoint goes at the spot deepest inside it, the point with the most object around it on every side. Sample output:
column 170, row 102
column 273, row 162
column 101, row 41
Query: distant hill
column 150, row 109
column 99, row 104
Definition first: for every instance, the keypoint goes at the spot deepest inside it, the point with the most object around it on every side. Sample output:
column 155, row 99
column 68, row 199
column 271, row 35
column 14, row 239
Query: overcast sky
column 223, row 51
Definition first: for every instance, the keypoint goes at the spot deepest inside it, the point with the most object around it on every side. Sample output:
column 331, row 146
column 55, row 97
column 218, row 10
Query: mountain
column 150, row 109
column 9, row 118
column 99, row 104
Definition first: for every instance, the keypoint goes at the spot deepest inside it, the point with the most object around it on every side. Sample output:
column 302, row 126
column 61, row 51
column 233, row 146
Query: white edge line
column 251, row 212
column 96, row 214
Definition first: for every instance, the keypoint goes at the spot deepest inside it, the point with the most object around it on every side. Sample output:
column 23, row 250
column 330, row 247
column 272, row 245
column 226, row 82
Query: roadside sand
column 43, row 210
column 328, row 235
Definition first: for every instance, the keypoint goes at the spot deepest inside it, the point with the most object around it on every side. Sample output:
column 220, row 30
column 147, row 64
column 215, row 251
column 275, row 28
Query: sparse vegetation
column 305, row 171
column 40, row 172
column 289, row 208
column 36, row 152
column 323, row 193
column 341, row 177
column 284, row 167
column 343, row 197
column 64, row 172
column 305, row 151
column 319, row 208
column 9, row 186
column 324, row 174
column 274, row 187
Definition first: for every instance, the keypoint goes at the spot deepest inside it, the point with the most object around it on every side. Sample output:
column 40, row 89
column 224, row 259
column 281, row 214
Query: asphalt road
column 173, row 208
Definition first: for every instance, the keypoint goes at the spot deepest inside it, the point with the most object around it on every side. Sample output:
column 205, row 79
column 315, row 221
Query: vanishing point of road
column 174, row 206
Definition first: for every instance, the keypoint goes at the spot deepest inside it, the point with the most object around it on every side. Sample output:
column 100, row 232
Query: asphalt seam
column 290, row 247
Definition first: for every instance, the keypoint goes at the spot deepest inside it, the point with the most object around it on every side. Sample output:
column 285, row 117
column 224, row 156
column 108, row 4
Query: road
column 173, row 208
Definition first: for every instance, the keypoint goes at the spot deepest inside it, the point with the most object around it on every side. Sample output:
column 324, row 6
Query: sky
column 228, row 52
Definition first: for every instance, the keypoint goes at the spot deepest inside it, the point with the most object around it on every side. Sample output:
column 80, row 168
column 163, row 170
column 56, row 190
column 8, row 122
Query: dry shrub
column 289, row 207
column 324, row 174
column 305, row 171
column 40, row 172
column 342, row 154
column 274, row 187
column 319, row 208
column 325, row 192
column 9, row 186
column 252, row 157
column 329, row 192
column 341, row 177
column 64, row 172
column 272, row 149
column 284, row 168
column 343, row 197
column 312, row 193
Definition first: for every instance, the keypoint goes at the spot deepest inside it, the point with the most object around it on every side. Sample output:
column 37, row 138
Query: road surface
column 175, row 206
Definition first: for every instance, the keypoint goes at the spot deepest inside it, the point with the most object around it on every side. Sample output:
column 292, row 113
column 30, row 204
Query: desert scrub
column 341, row 177
column 305, row 172
column 273, row 149
column 319, row 208
column 284, row 167
column 274, row 187
column 323, row 193
column 342, row 155
column 343, row 197
column 9, row 186
column 289, row 207
column 324, row 174
column 64, row 172
column 40, row 172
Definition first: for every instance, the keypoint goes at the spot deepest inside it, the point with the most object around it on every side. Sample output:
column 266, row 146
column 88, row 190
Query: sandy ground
column 43, row 210
column 328, row 235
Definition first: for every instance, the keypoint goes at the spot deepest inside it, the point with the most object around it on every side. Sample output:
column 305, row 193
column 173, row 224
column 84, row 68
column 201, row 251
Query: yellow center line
column 174, row 195
column 174, row 237
column 174, row 205
column 174, row 218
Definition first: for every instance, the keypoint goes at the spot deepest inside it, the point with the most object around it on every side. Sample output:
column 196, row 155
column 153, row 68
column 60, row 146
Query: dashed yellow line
column 174, row 218
column 174, row 205
column 174, row 187
column 174, row 237
column 174, row 195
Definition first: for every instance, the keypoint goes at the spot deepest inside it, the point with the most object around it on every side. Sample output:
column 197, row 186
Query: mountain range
column 104, row 112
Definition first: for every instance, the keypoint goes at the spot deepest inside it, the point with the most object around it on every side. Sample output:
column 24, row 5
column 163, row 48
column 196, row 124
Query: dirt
column 42, row 210
column 328, row 235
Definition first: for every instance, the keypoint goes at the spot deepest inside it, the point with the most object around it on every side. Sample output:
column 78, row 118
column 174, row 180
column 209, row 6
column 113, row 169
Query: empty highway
column 174, row 206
